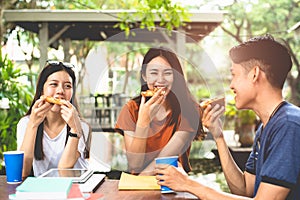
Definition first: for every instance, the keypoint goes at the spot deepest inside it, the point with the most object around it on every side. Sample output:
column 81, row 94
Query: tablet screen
column 78, row 175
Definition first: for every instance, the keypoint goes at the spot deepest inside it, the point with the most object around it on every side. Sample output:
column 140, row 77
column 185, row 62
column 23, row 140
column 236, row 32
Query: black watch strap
column 73, row 134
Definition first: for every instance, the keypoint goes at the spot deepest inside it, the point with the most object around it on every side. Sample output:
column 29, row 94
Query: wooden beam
column 43, row 37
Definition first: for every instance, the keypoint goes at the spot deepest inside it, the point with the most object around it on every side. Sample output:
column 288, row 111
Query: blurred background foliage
column 16, row 97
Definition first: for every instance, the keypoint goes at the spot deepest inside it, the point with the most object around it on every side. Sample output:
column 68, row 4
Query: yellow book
column 133, row 182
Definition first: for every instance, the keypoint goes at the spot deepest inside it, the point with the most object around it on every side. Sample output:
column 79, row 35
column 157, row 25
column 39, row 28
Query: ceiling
column 100, row 25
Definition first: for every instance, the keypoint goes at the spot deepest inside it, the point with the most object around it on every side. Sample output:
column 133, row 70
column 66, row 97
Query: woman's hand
column 70, row 115
column 39, row 111
column 149, row 109
column 172, row 177
column 211, row 120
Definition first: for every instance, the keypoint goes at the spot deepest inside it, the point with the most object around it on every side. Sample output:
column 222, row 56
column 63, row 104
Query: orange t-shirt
column 160, row 133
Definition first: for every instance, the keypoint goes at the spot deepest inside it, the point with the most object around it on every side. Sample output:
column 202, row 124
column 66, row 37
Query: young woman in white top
column 53, row 135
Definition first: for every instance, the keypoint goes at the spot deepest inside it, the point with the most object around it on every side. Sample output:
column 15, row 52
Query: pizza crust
column 213, row 102
column 53, row 100
column 150, row 93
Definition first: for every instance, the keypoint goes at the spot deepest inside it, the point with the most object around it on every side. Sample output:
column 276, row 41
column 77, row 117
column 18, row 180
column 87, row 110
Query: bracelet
column 73, row 134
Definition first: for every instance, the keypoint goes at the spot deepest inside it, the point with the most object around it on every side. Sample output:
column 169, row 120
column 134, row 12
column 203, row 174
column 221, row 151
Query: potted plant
column 245, row 127
column 244, row 122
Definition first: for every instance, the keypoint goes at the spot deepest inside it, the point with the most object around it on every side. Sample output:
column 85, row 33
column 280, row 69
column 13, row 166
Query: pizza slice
column 150, row 93
column 53, row 100
column 213, row 102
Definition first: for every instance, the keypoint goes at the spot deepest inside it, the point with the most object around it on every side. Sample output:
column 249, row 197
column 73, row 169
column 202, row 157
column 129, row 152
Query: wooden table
column 6, row 189
column 110, row 190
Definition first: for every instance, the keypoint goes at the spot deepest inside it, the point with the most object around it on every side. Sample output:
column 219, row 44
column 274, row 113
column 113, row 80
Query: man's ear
column 255, row 73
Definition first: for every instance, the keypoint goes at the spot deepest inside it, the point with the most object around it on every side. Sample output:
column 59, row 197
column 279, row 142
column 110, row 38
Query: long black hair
column 43, row 76
column 179, row 99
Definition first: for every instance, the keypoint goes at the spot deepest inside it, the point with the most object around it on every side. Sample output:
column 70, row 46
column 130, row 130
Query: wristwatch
column 73, row 135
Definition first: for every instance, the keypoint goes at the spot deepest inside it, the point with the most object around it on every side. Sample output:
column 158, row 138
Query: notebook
column 44, row 188
column 133, row 182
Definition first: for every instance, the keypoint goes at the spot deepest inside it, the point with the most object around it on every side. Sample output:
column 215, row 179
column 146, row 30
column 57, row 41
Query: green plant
column 19, row 96
column 243, row 121
column 246, row 117
column 239, row 117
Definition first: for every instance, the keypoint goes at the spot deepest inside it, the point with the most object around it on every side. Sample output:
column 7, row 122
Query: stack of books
column 43, row 188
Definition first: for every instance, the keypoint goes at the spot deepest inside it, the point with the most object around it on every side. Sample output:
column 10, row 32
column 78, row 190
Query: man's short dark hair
column 274, row 57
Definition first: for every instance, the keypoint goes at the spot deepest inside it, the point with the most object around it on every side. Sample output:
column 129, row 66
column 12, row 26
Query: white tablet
column 77, row 175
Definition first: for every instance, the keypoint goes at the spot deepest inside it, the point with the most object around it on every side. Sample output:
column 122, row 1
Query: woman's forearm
column 70, row 154
column 135, row 144
column 177, row 145
column 137, row 140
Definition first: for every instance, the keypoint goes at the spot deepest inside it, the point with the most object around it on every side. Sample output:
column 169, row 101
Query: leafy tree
column 170, row 14
column 246, row 18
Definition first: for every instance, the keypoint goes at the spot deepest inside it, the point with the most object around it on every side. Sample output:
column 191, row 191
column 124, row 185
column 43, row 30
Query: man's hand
column 172, row 177
column 211, row 120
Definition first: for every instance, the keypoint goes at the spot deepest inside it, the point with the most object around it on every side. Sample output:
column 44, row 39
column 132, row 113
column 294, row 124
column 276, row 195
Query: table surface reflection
column 109, row 189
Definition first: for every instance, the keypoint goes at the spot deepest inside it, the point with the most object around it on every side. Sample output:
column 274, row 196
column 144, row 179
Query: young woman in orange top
column 164, row 124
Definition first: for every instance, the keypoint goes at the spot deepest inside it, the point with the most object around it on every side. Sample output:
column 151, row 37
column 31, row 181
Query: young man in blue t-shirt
column 259, row 70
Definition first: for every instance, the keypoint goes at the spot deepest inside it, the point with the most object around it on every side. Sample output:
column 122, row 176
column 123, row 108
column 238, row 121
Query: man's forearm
column 206, row 193
column 234, row 176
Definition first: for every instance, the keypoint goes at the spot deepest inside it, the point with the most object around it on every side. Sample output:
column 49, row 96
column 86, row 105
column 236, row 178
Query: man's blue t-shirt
column 275, row 157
